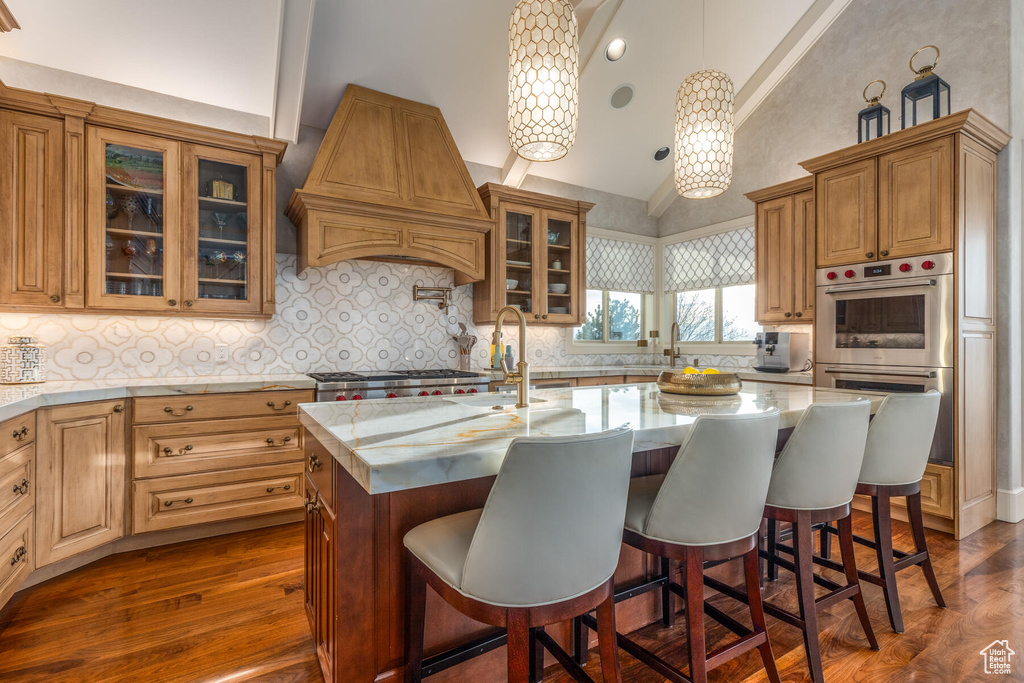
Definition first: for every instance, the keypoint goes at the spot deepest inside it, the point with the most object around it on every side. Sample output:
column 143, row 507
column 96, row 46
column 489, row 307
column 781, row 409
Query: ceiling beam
column 295, row 34
column 593, row 17
column 7, row 21
column 811, row 26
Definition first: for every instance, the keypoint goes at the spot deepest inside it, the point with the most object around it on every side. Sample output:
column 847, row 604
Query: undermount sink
column 491, row 400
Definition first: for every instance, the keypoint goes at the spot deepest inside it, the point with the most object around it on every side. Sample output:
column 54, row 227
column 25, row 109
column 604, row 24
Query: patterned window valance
column 713, row 261
column 620, row 265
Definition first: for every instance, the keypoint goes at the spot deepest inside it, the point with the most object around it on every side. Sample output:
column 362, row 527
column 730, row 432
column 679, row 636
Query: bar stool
column 899, row 441
column 707, row 508
column 543, row 549
column 813, row 482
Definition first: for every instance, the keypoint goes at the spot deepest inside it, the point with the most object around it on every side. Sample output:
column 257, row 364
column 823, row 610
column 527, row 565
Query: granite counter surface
column 402, row 443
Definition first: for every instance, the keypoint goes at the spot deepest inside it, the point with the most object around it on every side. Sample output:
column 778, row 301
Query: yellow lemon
column 691, row 371
column 711, row 371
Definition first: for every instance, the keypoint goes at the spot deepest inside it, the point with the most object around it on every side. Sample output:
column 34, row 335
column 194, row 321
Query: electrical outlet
column 221, row 353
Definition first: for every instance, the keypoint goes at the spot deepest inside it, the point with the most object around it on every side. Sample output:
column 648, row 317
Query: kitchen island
column 376, row 469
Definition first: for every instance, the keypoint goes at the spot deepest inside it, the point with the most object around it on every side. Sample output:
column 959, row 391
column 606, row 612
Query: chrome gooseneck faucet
column 521, row 375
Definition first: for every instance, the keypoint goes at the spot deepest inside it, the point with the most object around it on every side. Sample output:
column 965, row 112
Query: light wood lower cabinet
column 17, row 557
column 17, row 485
column 219, row 406
column 17, row 432
column 81, row 467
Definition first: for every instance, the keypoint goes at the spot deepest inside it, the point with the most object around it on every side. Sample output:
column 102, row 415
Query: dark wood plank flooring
column 230, row 609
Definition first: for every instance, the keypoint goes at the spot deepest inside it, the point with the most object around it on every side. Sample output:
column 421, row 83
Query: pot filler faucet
column 521, row 376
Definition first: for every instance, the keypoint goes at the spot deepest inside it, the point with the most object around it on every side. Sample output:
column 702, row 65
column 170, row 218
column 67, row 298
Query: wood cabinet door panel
column 326, row 631
column 915, row 201
column 311, row 566
column 803, row 257
column 17, row 558
column 775, row 264
column 17, row 485
column 81, row 466
column 31, row 210
column 846, row 209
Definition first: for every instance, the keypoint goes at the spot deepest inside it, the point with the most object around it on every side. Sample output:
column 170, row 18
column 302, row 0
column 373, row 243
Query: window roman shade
column 620, row 265
column 726, row 258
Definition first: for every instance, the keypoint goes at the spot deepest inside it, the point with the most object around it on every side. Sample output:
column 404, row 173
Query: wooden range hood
column 389, row 183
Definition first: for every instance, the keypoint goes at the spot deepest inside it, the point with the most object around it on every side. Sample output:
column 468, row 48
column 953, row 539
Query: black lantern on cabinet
column 873, row 120
column 927, row 98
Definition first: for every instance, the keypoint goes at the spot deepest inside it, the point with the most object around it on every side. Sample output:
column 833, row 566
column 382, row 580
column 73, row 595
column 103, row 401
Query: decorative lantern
column 543, row 79
column 927, row 98
column 873, row 120
column 704, row 135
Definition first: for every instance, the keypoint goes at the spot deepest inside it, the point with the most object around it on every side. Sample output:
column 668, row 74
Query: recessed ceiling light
column 621, row 96
column 662, row 153
column 615, row 49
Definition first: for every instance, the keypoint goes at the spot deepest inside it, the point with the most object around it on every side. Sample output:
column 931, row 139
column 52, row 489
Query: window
column 613, row 317
column 717, row 314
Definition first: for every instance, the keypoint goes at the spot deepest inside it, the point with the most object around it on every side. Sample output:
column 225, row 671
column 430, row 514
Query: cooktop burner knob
column 461, row 391
column 392, row 395
column 424, row 393
column 437, row 392
column 850, row 273
column 357, row 397
column 928, row 265
column 473, row 391
column 832, row 275
column 906, row 267
column 340, row 398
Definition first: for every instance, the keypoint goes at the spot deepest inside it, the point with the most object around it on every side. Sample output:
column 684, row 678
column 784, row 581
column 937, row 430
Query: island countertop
column 403, row 443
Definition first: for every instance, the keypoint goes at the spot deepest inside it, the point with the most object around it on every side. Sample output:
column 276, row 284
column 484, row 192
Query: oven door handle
column 843, row 289
column 927, row 374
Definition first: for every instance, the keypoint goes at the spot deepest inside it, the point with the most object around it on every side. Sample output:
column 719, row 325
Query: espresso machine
column 782, row 351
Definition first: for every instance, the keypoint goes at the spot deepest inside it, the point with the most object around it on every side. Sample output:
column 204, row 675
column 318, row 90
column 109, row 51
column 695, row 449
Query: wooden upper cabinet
column 785, row 238
column 847, row 228
column 31, row 210
column 915, row 200
column 536, row 257
column 80, row 464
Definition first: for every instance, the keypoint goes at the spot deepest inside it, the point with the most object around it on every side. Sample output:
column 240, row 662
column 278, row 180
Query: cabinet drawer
column 214, row 406
column 171, row 502
column 17, row 432
column 319, row 466
column 17, row 558
column 169, row 449
column 936, row 492
column 17, row 488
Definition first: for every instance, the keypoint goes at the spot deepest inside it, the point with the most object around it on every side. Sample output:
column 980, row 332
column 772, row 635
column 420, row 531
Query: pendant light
column 543, row 79
column 704, row 132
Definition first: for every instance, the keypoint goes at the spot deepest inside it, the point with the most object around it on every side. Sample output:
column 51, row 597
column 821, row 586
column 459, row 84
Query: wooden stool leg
column 536, row 657
column 695, row 614
column 751, row 566
column 773, row 539
column 803, row 552
column 762, row 546
column 668, row 611
column 519, row 651
column 881, row 509
column 580, row 641
column 921, row 544
column 606, row 641
column 415, row 614
column 850, row 567
column 825, row 543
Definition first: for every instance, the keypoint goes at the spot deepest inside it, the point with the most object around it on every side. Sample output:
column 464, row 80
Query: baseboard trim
column 1010, row 505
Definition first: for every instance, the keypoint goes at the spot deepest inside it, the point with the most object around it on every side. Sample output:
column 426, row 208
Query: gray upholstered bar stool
column 708, row 508
column 813, row 482
column 899, row 441
column 542, row 550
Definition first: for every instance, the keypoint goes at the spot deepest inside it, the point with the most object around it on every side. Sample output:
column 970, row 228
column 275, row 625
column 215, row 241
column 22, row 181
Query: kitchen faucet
column 521, row 376
column 671, row 351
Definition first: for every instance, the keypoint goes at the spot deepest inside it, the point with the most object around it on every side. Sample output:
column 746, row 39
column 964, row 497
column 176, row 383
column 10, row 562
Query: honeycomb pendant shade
column 704, row 135
column 543, row 78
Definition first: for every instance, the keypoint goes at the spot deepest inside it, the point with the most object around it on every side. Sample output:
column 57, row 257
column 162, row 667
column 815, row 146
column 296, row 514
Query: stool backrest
column 552, row 525
column 714, row 491
column 819, row 466
column 900, row 439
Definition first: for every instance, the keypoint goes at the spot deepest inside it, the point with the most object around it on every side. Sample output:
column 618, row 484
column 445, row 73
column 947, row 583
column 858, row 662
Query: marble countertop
column 653, row 371
column 403, row 443
column 18, row 399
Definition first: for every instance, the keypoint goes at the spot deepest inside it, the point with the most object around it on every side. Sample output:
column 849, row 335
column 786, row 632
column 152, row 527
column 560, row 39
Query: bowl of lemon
column 693, row 382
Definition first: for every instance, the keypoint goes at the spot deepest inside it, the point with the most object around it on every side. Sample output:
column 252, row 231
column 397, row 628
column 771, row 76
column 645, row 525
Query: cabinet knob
column 119, row 408
column 55, row 298
column 312, row 505
column 19, row 555
column 172, row 411
column 788, row 314
column 884, row 253
column 20, row 434
column 799, row 314
column 870, row 254
column 172, row 302
column 536, row 316
column 188, row 303
column 22, row 488
column 314, row 462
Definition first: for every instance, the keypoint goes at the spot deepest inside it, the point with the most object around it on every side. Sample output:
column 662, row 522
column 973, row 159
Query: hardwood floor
column 230, row 609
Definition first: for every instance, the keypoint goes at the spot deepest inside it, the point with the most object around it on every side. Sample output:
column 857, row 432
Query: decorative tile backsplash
column 348, row 316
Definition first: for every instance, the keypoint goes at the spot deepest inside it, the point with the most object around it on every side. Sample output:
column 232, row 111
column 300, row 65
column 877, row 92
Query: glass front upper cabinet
column 560, row 256
column 133, row 221
column 520, row 225
column 222, row 231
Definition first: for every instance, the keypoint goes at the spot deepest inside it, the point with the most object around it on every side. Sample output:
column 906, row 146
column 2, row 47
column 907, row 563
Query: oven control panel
column 891, row 270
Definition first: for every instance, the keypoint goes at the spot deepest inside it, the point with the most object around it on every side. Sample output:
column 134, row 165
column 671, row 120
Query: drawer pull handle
column 186, row 501
column 22, row 488
column 286, row 487
column 284, row 442
column 20, row 434
column 19, row 555
column 312, row 505
column 175, row 413
column 272, row 404
column 181, row 451
column 314, row 463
